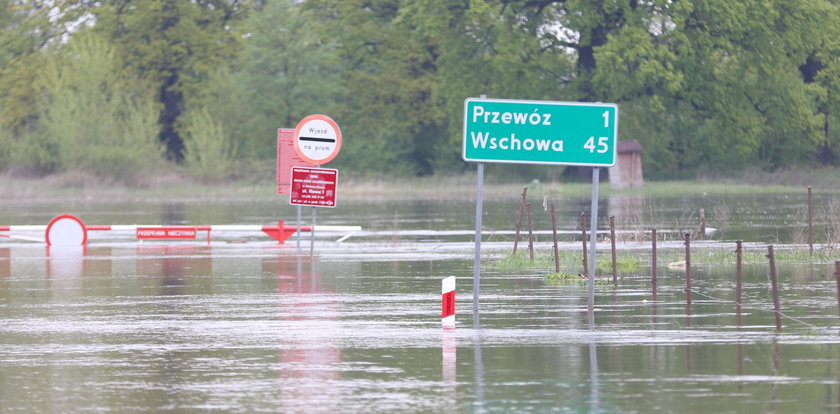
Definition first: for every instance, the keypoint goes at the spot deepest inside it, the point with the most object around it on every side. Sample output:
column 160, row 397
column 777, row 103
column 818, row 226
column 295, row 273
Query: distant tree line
column 119, row 87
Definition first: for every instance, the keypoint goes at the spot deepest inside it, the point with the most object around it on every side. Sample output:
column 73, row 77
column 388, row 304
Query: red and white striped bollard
column 448, row 302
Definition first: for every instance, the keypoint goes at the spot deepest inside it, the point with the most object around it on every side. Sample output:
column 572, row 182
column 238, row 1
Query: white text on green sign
column 540, row 132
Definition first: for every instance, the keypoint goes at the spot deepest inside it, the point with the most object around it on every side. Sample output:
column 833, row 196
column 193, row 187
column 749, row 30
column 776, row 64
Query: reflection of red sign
column 314, row 187
column 287, row 158
column 166, row 232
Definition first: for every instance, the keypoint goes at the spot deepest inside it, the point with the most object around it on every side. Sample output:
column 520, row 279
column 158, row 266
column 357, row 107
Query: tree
column 24, row 29
column 173, row 44
column 285, row 71
column 93, row 115
column 386, row 107
column 728, row 73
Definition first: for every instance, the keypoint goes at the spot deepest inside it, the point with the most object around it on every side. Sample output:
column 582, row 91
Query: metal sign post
column 298, row 227
column 317, row 140
column 479, row 202
column 538, row 132
column 312, row 233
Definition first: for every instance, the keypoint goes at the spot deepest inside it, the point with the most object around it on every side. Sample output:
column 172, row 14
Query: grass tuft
column 571, row 278
column 624, row 264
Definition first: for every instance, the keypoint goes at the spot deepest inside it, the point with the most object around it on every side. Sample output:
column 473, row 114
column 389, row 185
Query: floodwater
column 243, row 324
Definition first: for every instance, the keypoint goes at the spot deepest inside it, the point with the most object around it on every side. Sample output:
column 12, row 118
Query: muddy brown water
column 243, row 324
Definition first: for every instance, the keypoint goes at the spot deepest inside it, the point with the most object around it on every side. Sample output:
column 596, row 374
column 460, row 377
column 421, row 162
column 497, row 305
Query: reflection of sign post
column 317, row 139
column 314, row 187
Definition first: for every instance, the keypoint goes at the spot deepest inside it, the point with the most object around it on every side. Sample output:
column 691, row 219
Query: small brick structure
column 627, row 172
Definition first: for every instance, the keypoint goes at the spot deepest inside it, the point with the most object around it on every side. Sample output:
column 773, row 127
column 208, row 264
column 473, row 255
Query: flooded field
column 243, row 324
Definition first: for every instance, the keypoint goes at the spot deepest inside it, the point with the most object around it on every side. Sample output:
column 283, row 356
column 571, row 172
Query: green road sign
column 540, row 132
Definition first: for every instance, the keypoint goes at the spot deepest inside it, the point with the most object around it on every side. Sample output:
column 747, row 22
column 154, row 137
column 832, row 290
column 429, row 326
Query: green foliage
column 728, row 74
column 572, row 279
column 622, row 264
column 93, row 118
column 717, row 84
column 173, row 45
column 543, row 260
column 715, row 256
column 24, row 28
column 208, row 153
column 522, row 261
column 286, row 71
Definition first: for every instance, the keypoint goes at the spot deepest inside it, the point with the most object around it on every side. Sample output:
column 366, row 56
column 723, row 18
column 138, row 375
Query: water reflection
column 740, row 345
column 478, row 365
column 777, row 354
column 179, row 269
column 5, row 262
column 449, row 351
column 173, row 213
column 255, row 328
column 309, row 367
column 688, row 348
column 595, row 385
column 66, row 261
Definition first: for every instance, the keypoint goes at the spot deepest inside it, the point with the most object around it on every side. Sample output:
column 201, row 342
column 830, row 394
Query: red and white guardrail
column 68, row 230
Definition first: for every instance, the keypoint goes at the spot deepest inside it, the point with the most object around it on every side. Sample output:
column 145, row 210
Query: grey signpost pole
column 298, row 228
column 479, row 201
column 593, row 238
column 312, row 233
column 479, row 209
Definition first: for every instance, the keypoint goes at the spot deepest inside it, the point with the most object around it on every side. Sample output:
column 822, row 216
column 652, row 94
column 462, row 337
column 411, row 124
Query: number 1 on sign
column 601, row 147
column 606, row 116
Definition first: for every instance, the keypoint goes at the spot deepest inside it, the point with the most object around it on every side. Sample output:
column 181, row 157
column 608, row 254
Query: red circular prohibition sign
column 317, row 119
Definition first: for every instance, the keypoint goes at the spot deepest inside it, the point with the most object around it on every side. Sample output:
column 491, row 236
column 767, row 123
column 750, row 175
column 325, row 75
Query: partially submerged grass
column 782, row 254
column 571, row 279
column 571, row 265
column 630, row 262
column 522, row 261
column 624, row 264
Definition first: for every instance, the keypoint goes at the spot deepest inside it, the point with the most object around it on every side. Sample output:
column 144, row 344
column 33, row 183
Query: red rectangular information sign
column 166, row 232
column 287, row 158
column 313, row 187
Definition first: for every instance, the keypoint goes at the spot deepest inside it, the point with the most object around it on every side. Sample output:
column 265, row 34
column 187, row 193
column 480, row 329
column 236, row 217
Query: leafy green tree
column 173, row 44
column 208, row 153
column 386, row 108
column 713, row 83
column 285, row 72
column 407, row 67
column 93, row 116
column 727, row 73
column 24, row 28
column 493, row 48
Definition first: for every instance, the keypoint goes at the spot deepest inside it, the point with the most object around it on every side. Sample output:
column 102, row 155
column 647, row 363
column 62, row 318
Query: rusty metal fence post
column 519, row 220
